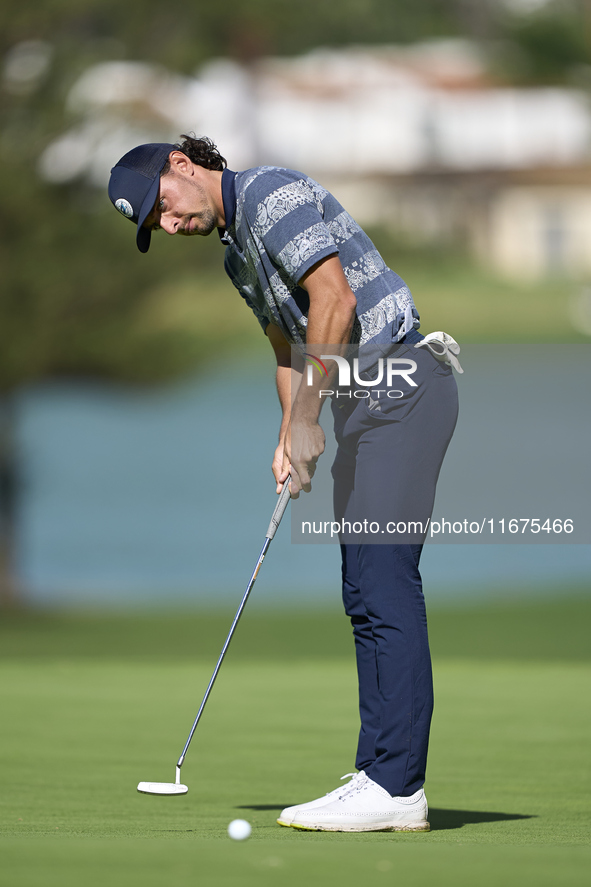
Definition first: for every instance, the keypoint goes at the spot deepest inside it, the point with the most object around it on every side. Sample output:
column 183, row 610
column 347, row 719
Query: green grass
column 474, row 306
column 93, row 704
column 455, row 294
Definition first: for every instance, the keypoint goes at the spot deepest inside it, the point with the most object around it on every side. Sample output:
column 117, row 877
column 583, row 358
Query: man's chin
column 190, row 232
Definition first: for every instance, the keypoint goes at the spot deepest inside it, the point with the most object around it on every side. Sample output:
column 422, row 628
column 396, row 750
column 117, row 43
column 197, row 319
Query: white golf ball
column 239, row 829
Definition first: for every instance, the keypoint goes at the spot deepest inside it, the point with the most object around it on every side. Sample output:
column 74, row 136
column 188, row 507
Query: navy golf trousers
column 387, row 464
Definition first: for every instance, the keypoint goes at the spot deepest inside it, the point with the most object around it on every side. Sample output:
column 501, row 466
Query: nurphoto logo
column 387, row 370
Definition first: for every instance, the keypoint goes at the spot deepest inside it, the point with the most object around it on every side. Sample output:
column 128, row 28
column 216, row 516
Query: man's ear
column 180, row 163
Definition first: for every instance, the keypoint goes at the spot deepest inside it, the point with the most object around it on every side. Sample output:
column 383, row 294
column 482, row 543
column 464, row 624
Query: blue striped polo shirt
column 281, row 224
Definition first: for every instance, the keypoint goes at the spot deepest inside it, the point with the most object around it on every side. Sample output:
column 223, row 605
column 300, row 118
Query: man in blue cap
column 135, row 184
column 312, row 276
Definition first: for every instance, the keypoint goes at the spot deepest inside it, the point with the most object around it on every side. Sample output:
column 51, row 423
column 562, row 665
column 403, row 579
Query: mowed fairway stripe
column 315, row 858
column 508, row 749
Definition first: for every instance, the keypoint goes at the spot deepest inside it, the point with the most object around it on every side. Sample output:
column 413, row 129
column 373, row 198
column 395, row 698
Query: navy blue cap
column 134, row 183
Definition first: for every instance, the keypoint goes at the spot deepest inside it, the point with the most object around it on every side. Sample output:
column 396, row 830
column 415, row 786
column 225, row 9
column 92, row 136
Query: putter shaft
column 275, row 521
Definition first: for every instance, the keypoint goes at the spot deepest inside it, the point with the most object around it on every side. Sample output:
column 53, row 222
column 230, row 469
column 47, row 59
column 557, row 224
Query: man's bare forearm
column 284, row 390
column 330, row 322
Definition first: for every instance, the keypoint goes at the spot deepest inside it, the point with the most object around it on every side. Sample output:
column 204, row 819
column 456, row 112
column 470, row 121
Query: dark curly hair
column 201, row 151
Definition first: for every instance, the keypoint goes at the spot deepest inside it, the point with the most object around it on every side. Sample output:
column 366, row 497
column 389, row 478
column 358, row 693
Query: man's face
column 182, row 207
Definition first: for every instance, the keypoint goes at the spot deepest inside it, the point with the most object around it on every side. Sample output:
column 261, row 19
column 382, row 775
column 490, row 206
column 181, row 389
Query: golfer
column 315, row 281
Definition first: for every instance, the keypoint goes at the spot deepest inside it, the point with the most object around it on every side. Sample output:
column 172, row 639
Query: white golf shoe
column 286, row 817
column 361, row 807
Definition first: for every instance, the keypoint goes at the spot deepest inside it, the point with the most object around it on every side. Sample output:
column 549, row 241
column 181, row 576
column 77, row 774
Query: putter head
column 162, row 788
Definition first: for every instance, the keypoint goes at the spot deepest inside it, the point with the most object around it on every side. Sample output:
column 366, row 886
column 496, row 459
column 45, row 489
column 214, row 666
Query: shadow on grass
column 279, row 807
column 449, row 819
column 440, row 819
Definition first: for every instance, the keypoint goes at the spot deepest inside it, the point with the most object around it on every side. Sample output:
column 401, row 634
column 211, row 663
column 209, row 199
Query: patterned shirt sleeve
column 290, row 225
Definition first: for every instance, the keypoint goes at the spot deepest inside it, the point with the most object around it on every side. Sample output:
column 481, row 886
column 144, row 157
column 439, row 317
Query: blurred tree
column 553, row 42
column 478, row 18
column 181, row 38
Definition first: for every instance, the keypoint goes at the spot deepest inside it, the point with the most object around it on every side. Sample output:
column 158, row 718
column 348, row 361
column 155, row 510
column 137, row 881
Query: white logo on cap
column 124, row 207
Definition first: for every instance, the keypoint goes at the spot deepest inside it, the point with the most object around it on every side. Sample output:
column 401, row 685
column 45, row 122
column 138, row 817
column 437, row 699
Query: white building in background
column 414, row 137
column 539, row 224
column 395, row 110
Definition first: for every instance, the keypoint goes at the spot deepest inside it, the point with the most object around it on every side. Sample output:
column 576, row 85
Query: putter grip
column 279, row 509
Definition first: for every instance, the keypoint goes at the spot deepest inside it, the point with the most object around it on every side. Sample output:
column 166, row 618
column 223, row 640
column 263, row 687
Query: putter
column 176, row 787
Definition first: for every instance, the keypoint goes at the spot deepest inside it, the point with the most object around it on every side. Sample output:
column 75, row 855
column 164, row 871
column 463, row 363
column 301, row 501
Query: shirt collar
column 228, row 200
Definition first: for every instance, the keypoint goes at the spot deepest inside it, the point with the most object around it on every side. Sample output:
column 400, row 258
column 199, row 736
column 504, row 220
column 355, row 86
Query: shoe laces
column 356, row 782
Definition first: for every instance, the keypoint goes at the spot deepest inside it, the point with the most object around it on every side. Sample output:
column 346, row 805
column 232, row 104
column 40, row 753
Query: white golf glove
column 444, row 347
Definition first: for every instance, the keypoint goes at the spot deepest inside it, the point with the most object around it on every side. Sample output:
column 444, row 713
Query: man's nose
column 170, row 225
